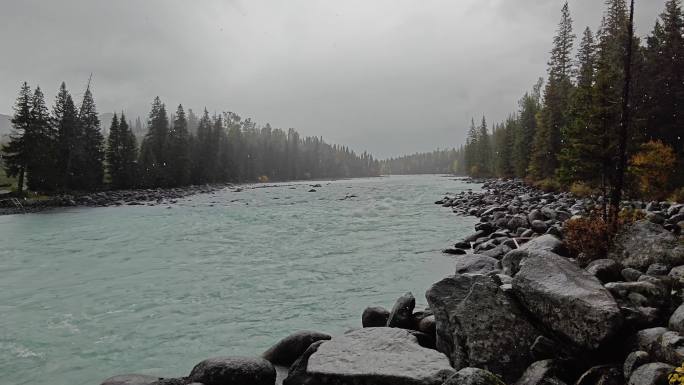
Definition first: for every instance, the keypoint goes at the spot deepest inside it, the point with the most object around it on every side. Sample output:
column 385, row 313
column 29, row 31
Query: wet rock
column 633, row 361
column 468, row 308
column 650, row 374
column 543, row 348
column 539, row 227
column 474, row 237
column 473, row 376
column 541, row 373
column 644, row 243
column 516, row 222
column 475, row 264
column 567, row 299
column 454, row 251
column 669, row 348
column 462, row 245
column 401, row 315
column 368, row 357
column 602, row 375
column 287, row 350
column 234, row 371
column 427, row 325
column 130, row 379
column 646, row 339
column 657, row 269
column 631, row 275
column 677, row 274
column 374, row 316
column 676, row 321
column 606, row 270
column 510, row 263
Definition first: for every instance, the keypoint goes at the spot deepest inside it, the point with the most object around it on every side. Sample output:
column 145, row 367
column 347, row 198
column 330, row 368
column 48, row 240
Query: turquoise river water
column 87, row 293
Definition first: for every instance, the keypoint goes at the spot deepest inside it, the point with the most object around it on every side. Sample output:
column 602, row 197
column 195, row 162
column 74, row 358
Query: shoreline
column 137, row 197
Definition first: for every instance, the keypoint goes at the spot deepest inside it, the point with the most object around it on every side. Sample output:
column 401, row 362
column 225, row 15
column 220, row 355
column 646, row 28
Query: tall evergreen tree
column 153, row 153
column 179, row 149
column 42, row 171
column 665, row 74
column 18, row 151
column 582, row 155
column 553, row 117
column 91, row 166
column 69, row 141
column 526, row 129
column 484, row 149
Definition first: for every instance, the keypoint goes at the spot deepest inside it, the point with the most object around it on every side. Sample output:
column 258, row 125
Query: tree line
column 619, row 97
column 435, row 162
column 65, row 150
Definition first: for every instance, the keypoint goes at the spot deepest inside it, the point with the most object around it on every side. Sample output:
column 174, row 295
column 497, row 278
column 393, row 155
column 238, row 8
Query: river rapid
column 87, row 293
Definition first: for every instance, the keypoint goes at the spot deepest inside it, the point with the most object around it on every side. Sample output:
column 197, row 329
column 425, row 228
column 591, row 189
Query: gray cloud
column 388, row 76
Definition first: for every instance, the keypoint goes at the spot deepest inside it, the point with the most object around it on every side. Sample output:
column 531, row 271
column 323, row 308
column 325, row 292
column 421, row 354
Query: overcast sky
column 387, row 76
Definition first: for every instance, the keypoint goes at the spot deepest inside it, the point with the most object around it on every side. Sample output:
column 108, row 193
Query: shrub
column 581, row 190
column 548, row 185
column 652, row 166
column 677, row 195
column 587, row 238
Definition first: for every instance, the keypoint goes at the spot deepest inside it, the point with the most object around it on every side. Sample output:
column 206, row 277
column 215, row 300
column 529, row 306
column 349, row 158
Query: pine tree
column 113, row 153
column 153, row 154
column 582, row 155
column 179, row 149
column 526, row 129
column 471, row 150
column 128, row 154
column 91, row 168
column 484, row 149
column 553, row 117
column 665, row 67
column 70, row 137
column 42, row 172
column 203, row 153
column 17, row 153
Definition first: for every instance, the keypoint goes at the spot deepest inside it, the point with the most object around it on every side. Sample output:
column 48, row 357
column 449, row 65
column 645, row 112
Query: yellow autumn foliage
column 652, row 166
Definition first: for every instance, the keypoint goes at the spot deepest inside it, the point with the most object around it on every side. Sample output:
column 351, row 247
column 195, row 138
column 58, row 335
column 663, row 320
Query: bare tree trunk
column 616, row 195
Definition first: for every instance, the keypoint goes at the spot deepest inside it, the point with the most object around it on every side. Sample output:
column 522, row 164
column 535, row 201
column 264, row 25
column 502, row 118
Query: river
column 87, row 293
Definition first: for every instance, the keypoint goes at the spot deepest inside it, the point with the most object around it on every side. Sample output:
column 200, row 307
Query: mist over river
column 88, row 293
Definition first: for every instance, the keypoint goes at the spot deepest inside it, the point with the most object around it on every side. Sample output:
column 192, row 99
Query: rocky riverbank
column 149, row 197
column 518, row 309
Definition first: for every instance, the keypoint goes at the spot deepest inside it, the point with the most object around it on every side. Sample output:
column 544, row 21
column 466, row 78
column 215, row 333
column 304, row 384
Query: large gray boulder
column 130, row 379
column 650, row 374
column 643, row 243
column 371, row 356
column 567, row 299
column 234, row 371
column 473, row 376
column 475, row 264
column 478, row 325
column 545, row 243
column 401, row 315
column 287, row 350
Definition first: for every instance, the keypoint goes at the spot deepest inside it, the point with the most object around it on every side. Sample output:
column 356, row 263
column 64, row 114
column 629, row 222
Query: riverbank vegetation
column 65, row 150
column 578, row 129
